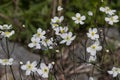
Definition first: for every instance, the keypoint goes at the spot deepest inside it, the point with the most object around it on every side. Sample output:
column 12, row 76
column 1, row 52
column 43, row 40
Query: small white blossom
column 6, row 61
column 5, row 27
column 114, row 72
column 93, row 48
column 48, row 43
column 112, row 19
column 54, row 25
column 90, row 13
column 107, row 10
column 79, row 19
column 57, row 19
column 35, row 42
column 59, row 8
column 67, row 38
column 40, row 34
column 44, row 70
column 61, row 30
column 29, row 67
column 8, row 33
column 91, row 78
column 92, row 58
column 93, row 34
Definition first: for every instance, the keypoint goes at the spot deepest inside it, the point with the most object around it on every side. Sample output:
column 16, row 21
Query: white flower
column 107, row 10
column 112, row 19
column 54, row 25
column 91, row 78
column 61, row 30
column 6, row 61
column 90, row 13
column 93, row 34
column 57, row 19
column 29, row 67
column 114, row 72
column 40, row 34
column 7, row 33
column 59, row 8
column 5, row 27
column 102, row 1
column 93, row 48
column 35, row 43
column 48, row 43
column 44, row 70
column 67, row 38
column 92, row 58
column 79, row 19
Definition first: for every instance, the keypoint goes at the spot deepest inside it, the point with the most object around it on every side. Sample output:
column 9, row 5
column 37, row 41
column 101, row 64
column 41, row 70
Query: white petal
column 40, row 72
column 23, row 67
column 115, row 74
column 34, row 63
column 78, row 15
column 76, row 21
column 102, row 9
column 99, row 48
column 50, row 66
column 68, row 43
column 81, row 22
column 42, row 65
column 28, row 72
column 45, row 75
column 110, row 72
column 95, row 30
column 63, row 41
column 30, row 45
column 83, row 18
column 73, row 18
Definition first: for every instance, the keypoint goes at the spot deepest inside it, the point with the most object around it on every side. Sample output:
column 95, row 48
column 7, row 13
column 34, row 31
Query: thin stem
column 20, row 72
column 6, row 72
column 12, row 48
column 12, row 72
column 33, row 76
column 7, row 48
column 3, row 48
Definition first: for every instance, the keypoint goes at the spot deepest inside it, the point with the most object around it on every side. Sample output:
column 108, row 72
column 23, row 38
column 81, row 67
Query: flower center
column 68, row 38
column 5, row 60
column 39, row 34
column 45, row 70
column 79, row 18
column 34, row 42
column 63, row 31
column 29, row 66
column 7, row 33
column 58, row 21
column 93, row 33
column 111, row 18
column 93, row 47
column 55, row 25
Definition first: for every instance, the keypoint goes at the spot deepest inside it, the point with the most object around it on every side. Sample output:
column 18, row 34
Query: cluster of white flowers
column 92, row 34
column 111, row 17
column 62, row 32
column 43, row 70
column 6, row 62
column 114, row 72
column 6, row 30
column 79, row 19
column 39, row 40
